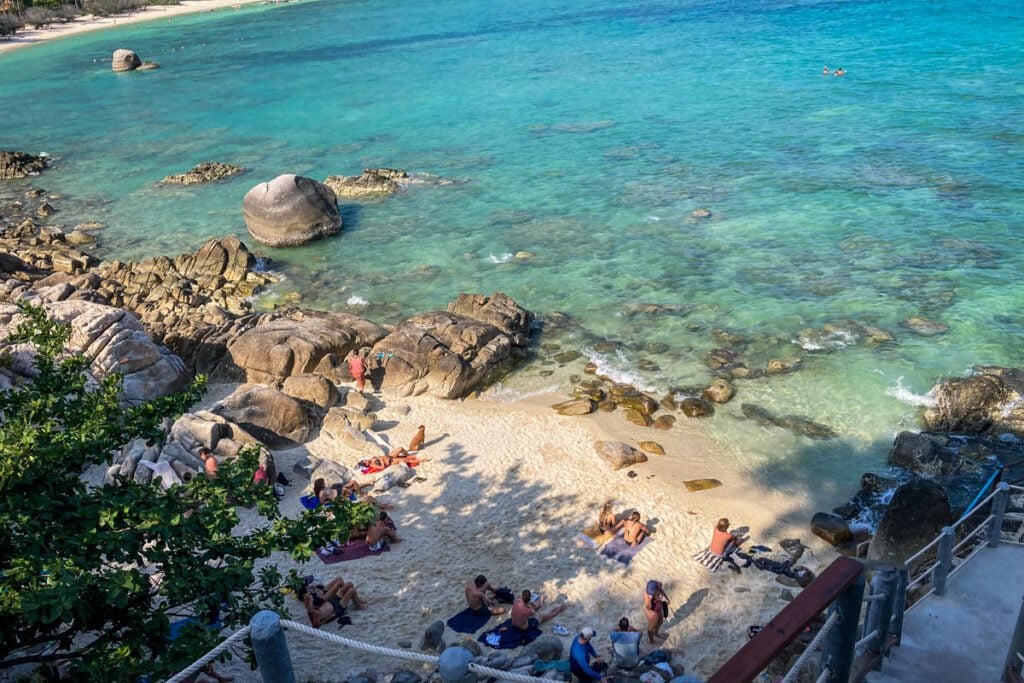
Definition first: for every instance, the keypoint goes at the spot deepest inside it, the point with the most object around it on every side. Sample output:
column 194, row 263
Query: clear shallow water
column 587, row 133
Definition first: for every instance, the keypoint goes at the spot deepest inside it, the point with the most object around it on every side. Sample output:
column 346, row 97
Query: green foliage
column 99, row 573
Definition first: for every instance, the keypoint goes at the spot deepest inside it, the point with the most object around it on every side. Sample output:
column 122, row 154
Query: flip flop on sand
column 559, row 630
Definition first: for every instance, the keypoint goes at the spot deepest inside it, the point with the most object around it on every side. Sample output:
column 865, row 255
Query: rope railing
column 210, row 656
column 877, row 597
column 400, row 654
column 811, row 649
column 860, row 644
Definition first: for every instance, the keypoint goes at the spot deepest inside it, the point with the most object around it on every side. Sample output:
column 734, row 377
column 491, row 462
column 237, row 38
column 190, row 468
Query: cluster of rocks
column 373, row 182
column 206, row 172
column 15, row 165
column 127, row 60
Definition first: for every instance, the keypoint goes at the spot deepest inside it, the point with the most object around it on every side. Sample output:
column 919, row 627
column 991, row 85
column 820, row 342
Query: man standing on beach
column 524, row 616
column 476, row 596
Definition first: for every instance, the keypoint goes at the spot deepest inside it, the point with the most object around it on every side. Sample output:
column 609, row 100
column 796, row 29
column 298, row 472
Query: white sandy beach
column 507, row 490
column 89, row 23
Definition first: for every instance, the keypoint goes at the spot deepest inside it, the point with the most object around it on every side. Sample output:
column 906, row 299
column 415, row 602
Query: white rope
column 209, row 656
column 826, row 675
column 865, row 640
column 401, row 654
column 812, row 647
column 968, row 537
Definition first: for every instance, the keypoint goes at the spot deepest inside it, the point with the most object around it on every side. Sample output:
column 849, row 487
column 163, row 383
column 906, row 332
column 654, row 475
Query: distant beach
column 88, row 23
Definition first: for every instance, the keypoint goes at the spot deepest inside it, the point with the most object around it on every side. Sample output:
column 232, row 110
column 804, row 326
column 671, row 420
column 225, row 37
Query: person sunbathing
column 477, row 599
column 325, row 603
column 606, row 518
column 382, row 462
column 381, row 533
column 524, row 612
column 633, row 532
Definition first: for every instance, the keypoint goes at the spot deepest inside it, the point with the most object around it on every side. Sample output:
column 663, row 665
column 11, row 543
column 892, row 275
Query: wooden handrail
column 758, row 653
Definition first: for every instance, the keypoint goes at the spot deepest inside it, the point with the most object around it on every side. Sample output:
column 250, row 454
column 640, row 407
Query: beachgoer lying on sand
column 606, row 518
column 381, row 533
column 325, row 603
column 382, row 462
column 655, row 609
column 633, row 532
column 524, row 612
column 417, row 441
column 477, row 598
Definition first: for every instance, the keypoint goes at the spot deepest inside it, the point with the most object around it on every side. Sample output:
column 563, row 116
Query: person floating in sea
column 633, row 532
column 477, row 599
column 839, row 72
column 524, row 612
column 824, row 71
column 655, row 609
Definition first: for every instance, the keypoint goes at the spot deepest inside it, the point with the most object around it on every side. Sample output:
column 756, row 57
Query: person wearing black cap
column 580, row 654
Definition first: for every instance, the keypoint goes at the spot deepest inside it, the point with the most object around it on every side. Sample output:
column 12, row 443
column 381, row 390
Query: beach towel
column 709, row 560
column 469, row 621
column 353, row 550
column 620, row 551
column 593, row 538
column 505, row 636
column 310, row 502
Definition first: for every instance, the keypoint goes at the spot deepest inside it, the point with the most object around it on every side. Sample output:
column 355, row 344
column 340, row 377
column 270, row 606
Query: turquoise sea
column 586, row 133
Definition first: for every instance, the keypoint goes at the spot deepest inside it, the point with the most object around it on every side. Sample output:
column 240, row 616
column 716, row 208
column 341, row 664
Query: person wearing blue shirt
column 579, row 658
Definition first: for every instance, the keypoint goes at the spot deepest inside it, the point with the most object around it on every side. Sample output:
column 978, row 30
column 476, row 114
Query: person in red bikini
column 357, row 368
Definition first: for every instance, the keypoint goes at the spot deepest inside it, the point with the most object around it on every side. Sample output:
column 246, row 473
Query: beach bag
column 656, row 657
column 504, row 595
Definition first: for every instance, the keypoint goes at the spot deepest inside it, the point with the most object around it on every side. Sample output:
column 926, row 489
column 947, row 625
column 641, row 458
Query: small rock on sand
column 701, row 484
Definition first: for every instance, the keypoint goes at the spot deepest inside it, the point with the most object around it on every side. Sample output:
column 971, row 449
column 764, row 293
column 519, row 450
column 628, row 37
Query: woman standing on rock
column 357, row 368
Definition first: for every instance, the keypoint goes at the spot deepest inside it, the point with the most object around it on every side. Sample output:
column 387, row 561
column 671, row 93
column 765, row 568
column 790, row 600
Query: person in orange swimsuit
column 357, row 368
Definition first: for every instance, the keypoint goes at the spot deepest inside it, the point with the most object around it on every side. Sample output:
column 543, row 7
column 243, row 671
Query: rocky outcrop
column 269, row 416
column 831, row 528
column 618, row 455
column 447, row 354
column 206, row 172
column 313, row 389
column 291, row 210
column 915, row 516
column 20, row 165
column 924, row 454
column 125, row 60
column 372, row 183
column 990, row 402
column 301, row 342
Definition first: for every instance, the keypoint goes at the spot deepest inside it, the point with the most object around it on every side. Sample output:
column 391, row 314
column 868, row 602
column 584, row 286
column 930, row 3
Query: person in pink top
column 260, row 476
column 357, row 368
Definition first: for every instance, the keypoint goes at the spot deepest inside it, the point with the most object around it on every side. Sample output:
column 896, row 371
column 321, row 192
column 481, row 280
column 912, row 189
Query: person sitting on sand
column 606, row 519
column 624, row 626
column 209, row 463
column 655, row 609
column 625, row 645
column 417, row 441
column 724, row 544
column 477, row 599
column 324, row 603
column 381, row 533
column 524, row 612
column 633, row 532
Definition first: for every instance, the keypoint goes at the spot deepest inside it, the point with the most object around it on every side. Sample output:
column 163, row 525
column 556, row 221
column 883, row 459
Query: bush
column 10, row 24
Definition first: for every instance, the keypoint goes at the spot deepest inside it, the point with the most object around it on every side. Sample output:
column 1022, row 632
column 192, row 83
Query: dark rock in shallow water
column 203, row 173
column 794, row 423
column 372, row 182
column 918, row 511
column 721, row 390
column 923, row 454
column 876, row 484
column 925, row 327
column 20, row 165
column 696, row 407
column 989, row 402
column 832, row 528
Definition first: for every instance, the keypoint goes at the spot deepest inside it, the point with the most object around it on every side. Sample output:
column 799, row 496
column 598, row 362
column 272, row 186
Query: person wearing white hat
column 580, row 654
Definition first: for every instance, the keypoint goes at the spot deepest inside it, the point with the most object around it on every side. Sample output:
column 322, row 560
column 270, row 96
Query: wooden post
column 1012, row 664
column 270, row 648
column 837, row 653
column 899, row 605
column 998, row 510
column 944, row 562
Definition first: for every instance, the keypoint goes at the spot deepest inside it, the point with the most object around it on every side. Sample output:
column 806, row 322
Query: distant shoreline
column 89, row 23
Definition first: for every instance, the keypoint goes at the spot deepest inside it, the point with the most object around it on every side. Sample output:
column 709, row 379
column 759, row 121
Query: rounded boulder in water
column 290, row 211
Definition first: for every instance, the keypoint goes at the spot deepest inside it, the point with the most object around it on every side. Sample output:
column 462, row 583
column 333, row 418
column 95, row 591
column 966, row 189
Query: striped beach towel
column 709, row 560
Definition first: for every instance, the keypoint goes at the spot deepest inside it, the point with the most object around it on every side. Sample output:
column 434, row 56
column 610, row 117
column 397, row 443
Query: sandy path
column 508, row 489
column 90, row 23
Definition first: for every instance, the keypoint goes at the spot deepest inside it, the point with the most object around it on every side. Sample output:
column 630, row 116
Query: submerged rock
column 15, row 165
column 291, row 210
column 205, row 172
column 794, row 423
column 925, row 327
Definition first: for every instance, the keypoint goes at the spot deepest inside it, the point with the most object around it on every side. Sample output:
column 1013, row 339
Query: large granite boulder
column 989, row 402
column 291, row 210
column 205, row 172
column 117, row 342
column 915, row 516
column 618, row 455
column 447, row 354
column 313, row 389
column 373, row 182
column 20, row 165
column 924, row 454
column 125, row 60
column 275, row 419
column 301, row 342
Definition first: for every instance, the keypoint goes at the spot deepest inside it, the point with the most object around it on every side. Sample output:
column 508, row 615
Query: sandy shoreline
column 509, row 487
column 90, row 23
